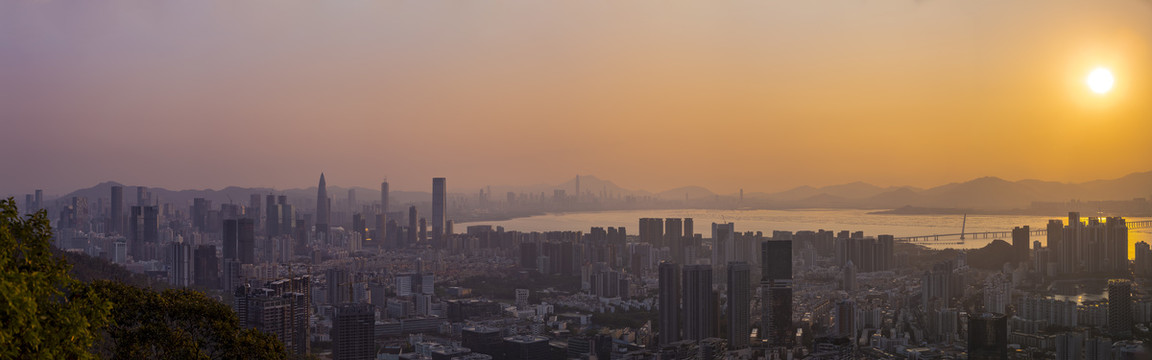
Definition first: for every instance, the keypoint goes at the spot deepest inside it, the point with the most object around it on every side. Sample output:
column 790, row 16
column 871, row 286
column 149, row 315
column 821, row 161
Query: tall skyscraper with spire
column 322, row 206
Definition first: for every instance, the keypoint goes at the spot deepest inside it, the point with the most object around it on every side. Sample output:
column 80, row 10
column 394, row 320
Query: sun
column 1100, row 80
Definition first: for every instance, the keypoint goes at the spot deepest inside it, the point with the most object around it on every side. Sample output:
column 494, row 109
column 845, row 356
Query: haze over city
column 762, row 96
column 576, row 180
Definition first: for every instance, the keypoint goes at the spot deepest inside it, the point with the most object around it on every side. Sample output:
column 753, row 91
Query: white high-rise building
column 997, row 293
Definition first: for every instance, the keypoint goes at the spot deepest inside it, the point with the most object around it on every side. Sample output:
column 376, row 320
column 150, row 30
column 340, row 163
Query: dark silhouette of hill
column 992, row 256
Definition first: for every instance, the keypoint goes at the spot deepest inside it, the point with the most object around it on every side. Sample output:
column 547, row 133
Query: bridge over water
column 955, row 238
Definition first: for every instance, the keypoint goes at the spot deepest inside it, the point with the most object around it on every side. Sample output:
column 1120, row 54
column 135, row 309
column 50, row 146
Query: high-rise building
column 144, row 230
column 1120, row 309
column 141, row 199
column 230, row 239
column 422, row 230
column 246, row 241
column 689, row 230
column 699, row 309
column 1116, row 244
column 739, row 299
column 723, row 248
column 1143, row 259
column 253, row 209
column 673, row 234
column 206, row 267
column 776, row 281
column 272, row 216
column 849, row 282
column 384, row 197
column 1021, row 237
column 987, row 336
column 322, row 210
column 669, row 289
column 354, row 332
column 439, row 206
column 351, row 201
column 117, row 215
column 287, row 215
column 413, row 221
column 281, row 308
column 381, row 239
column 846, row 319
column 339, row 286
column 1055, row 243
column 180, row 271
column 652, row 232
column 1069, row 346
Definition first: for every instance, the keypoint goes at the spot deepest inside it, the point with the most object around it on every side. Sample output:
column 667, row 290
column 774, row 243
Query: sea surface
column 796, row 220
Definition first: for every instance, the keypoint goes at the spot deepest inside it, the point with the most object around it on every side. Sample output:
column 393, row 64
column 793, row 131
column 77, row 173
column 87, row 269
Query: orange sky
column 754, row 94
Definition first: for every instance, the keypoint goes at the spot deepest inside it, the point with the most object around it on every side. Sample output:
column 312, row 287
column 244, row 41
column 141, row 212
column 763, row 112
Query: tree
column 44, row 313
column 178, row 324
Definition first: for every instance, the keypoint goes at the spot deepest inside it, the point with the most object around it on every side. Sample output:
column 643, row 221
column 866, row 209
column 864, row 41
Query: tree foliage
column 44, row 313
column 47, row 314
column 178, row 324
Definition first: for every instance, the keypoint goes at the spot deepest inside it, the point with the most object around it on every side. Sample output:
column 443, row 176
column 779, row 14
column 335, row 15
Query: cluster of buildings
column 372, row 283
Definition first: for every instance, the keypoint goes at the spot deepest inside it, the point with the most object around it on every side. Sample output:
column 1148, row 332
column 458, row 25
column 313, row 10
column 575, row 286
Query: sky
column 761, row 95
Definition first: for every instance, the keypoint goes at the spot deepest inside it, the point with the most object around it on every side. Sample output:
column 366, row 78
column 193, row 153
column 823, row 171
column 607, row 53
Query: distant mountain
column 986, row 193
column 992, row 193
column 851, row 191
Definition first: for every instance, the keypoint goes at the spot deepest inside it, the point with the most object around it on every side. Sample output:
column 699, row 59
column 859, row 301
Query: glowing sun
column 1100, row 80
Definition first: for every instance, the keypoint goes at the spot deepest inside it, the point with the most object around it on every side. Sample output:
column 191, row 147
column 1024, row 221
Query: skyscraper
column 413, row 219
column 439, row 206
column 339, row 286
column 1056, row 244
column 673, row 234
column 287, row 215
column 322, row 214
column 144, row 230
column 987, row 336
column 723, row 247
column 669, row 288
column 1020, row 240
column 1116, row 244
column 384, row 197
column 351, row 201
column 117, row 216
column 699, row 311
column 180, row 271
column 230, row 238
column 206, row 267
column 246, row 241
column 271, row 216
column 281, row 308
column 739, row 298
column 776, row 280
column 652, row 231
column 1120, row 309
column 354, row 332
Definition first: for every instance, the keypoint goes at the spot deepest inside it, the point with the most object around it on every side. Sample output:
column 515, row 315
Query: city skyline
column 534, row 180
column 904, row 93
